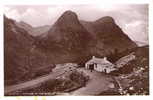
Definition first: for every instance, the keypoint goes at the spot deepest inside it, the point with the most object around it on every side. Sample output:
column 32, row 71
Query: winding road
column 58, row 71
column 97, row 83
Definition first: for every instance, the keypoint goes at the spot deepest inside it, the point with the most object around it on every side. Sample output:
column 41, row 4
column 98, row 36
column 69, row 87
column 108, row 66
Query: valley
column 52, row 60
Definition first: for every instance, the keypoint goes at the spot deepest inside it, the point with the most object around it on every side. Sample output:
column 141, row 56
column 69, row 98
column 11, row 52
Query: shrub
column 79, row 77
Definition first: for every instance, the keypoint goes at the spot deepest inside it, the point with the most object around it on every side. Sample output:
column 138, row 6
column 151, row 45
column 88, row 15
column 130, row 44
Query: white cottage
column 100, row 65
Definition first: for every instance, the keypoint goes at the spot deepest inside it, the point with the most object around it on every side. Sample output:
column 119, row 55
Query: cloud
column 12, row 13
column 133, row 24
column 32, row 16
column 137, row 30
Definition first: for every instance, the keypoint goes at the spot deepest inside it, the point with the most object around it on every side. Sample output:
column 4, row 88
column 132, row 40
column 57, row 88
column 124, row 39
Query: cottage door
column 105, row 71
column 91, row 67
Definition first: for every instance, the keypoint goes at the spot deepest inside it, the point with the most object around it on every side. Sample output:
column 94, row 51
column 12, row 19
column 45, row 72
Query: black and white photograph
column 76, row 50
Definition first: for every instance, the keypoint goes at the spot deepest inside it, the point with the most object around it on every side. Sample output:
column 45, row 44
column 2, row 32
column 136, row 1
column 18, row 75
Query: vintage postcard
column 76, row 50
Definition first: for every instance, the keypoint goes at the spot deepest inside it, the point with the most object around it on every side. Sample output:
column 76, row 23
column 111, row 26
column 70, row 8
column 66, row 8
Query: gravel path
column 98, row 83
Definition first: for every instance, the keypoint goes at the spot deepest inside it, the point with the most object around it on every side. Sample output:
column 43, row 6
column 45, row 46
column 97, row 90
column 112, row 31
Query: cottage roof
column 99, row 61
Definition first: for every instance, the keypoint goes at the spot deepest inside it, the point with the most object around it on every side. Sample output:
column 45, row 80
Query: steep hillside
column 108, row 36
column 17, row 45
column 22, row 61
column 67, row 40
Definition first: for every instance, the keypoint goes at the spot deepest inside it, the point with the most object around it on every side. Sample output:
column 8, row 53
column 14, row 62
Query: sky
column 132, row 18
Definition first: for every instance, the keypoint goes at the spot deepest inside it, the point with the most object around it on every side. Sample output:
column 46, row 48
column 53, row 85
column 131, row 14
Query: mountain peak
column 106, row 19
column 67, row 18
column 69, row 13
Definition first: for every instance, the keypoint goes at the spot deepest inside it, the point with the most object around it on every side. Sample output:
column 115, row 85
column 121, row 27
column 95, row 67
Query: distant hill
column 34, row 31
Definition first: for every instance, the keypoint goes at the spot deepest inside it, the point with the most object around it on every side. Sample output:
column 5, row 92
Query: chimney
column 105, row 58
column 93, row 57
